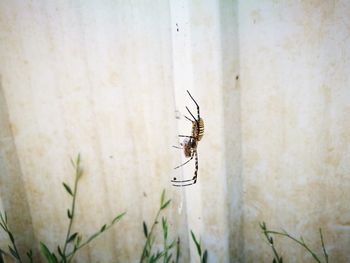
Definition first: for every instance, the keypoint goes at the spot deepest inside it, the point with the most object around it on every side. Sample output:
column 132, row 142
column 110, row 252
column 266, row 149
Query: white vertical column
column 182, row 55
column 183, row 80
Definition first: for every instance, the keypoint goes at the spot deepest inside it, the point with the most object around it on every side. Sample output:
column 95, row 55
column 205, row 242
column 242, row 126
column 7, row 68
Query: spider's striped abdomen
column 198, row 132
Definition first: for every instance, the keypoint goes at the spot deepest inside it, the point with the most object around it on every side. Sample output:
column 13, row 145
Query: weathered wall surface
column 295, row 64
column 94, row 78
column 108, row 79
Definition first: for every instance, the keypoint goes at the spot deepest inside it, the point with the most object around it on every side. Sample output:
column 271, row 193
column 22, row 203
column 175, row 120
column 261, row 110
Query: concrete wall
column 108, row 79
column 294, row 64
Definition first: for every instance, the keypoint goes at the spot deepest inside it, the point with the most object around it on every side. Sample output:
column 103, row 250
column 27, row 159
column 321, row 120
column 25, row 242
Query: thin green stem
column 270, row 241
column 301, row 243
column 77, row 175
column 165, row 251
column 149, row 236
column 177, row 250
column 71, row 254
column 323, row 246
column 277, row 257
column 5, row 227
column 17, row 253
column 165, row 236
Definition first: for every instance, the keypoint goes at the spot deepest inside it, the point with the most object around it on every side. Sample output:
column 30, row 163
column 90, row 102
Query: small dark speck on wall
column 237, row 77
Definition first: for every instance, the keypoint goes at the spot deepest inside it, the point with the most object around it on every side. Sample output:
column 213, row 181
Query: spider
column 189, row 145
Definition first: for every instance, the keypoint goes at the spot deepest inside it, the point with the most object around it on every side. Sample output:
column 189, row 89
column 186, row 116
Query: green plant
column 147, row 253
column 166, row 254
column 277, row 258
column 301, row 242
column 13, row 249
column 73, row 241
column 204, row 257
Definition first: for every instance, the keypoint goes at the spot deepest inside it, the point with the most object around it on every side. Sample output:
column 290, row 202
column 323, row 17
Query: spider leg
column 194, row 102
column 182, row 181
column 184, row 163
column 187, row 136
column 189, row 181
column 196, row 120
column 177, row 147
column 181, row 185
column 191, row 113
column 188, row 118
column 196, row 166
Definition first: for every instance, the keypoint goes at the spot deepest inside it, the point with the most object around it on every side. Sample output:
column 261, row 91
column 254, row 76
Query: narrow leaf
column 13, row 252
column 29, row 255
column 205, row 257
column 158, row 256
column 68, row 189
column 152, row 259
column 11, row 237
column 165, row 228
column 171, row 245
column 72, row 237
column 117, row 218
column 103, row 228
column 145, row 231
column 165, row 205
column 198, row 246
column 162, row 198
column 46, row 253
column 78, row 240
column 69, row 214
column 60, row 251
column 177, row 250
column 54, row 257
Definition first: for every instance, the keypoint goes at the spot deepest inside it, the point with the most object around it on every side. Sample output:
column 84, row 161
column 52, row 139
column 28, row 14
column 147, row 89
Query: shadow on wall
column 232, row 130
column 12, row 190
